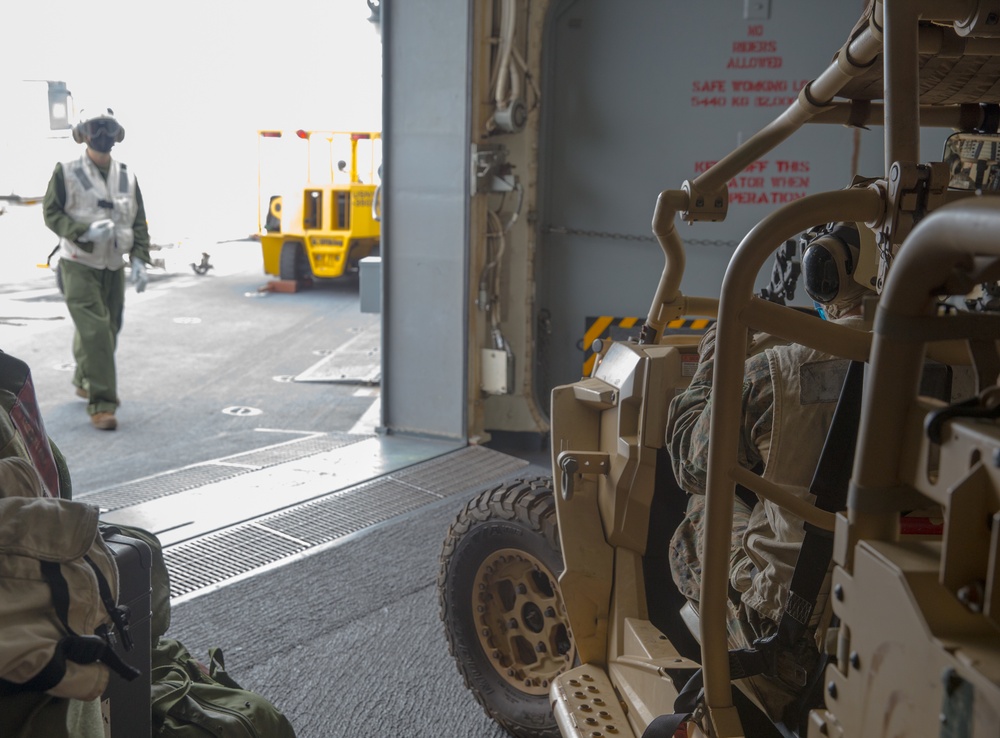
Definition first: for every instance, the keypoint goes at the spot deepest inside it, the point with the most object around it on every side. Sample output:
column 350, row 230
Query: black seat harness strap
column 830, row 485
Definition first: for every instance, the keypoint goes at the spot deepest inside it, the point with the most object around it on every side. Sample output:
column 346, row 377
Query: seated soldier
column 790, row 393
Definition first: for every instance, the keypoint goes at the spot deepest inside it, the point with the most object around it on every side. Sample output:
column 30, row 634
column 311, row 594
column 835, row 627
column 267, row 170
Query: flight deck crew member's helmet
column 828, row 266
column 100, row 130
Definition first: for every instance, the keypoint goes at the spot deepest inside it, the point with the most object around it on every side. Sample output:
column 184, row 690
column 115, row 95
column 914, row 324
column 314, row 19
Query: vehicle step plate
column 586, row 706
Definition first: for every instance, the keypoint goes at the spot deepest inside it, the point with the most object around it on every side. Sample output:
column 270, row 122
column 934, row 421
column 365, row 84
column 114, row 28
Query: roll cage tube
column 900, row 116
column 736, row 304
column 706, row 198
column 948, row 252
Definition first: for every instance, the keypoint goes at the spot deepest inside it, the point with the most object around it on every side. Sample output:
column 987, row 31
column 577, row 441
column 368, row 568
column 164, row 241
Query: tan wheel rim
column 521, row 620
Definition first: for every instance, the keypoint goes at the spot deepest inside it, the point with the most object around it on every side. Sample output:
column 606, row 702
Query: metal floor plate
column 213, row 560
column 358, row 361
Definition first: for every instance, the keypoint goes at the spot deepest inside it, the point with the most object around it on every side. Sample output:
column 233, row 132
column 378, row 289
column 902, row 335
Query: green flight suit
column 95, row 298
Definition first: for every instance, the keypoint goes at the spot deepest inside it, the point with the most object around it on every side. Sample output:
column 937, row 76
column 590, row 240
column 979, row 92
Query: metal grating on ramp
column 224, row 555
column 342, row 514
column 199, row 475
column 153, row 488
column 459, row 471
column 213, row 559
column 262, row 458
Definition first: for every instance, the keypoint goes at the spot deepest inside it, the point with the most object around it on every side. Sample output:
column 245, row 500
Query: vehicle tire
column 504, row 617
column 292, row 263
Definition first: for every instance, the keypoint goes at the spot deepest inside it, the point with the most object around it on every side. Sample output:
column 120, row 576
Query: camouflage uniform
column 687, row 440
column 788, row 399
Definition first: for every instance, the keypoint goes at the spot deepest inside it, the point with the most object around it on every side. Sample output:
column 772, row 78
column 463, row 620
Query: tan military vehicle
column 558, row 603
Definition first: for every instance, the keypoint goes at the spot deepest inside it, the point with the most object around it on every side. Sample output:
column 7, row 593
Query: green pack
column 22, row 435
column 188, row 700
column 191, row 700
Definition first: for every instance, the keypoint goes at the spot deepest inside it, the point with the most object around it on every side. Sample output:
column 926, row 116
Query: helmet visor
column 102, row 125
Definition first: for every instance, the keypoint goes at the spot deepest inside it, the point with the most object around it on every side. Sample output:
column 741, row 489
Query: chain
column 562, row 230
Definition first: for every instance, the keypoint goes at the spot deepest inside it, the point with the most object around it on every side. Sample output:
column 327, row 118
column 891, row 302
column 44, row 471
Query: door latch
column 572, row 463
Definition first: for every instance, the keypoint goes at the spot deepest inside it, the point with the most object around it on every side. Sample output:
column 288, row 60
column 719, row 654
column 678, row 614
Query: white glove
column 139, row 275
column 98, row 230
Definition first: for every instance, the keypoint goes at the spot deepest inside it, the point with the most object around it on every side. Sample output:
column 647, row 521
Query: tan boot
column 104, row 421
column 81, row 392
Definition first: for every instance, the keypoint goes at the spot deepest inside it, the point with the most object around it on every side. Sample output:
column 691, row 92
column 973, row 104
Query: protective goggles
column 102, row 125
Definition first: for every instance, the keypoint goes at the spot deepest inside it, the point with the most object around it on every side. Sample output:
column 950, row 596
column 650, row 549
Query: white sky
column 192, row 82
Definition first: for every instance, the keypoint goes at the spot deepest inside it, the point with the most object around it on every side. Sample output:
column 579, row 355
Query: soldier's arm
column 689, row 418
column 140, row 230
column 54, row 209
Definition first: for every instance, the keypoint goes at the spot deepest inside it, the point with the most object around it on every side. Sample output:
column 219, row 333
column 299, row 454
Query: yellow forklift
column 322, row 229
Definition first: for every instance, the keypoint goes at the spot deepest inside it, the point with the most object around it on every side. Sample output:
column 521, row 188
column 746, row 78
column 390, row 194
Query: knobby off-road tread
column 531, row 503
column 516, row 500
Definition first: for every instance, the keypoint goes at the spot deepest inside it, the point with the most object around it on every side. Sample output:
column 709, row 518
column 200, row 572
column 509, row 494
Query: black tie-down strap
column 665, row 726
column 742, row 664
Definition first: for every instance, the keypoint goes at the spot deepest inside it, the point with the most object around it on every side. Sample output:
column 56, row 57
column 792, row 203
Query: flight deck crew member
column 94, row 205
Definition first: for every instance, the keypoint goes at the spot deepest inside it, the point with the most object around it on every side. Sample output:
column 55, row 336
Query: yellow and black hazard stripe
column 624, row 329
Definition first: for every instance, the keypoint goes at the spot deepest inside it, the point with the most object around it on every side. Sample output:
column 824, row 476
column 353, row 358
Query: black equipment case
column 126, row 704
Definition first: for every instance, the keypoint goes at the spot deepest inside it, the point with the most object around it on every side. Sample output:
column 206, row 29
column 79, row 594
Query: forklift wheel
column 504, row 617
column 292, row 263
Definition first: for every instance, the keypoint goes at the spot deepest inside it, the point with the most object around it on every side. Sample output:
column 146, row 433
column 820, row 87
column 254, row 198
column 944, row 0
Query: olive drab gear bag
column 58, row 593
column 191, row 700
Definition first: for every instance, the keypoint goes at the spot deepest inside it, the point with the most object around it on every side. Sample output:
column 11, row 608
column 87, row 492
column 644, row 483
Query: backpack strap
column 80, row 649
column 60, row 591
column 120, row 614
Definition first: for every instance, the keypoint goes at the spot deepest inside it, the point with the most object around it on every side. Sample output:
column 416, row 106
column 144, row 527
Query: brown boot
column 104, row 421
column 81, row 392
